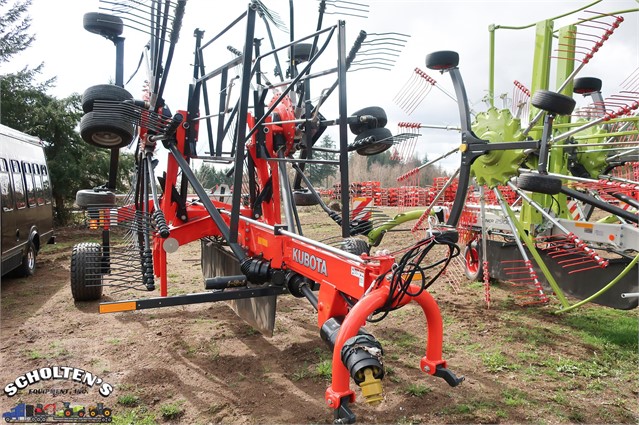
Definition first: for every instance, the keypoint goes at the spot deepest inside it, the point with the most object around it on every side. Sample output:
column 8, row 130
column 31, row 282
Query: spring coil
column 160, row 223
column 147, row 270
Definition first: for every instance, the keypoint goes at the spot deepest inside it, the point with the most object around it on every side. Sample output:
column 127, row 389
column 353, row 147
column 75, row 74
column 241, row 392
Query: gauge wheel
column 107, row 92
column 103, row 24
column 86, row 278
column 304, row 198
column 379, row 115
column 112, row 132
column 586, row 85
column 555, row 103
column 473, row 262
column 372, row 142
column 442, row 60
column 539, row 183
column 355, row 246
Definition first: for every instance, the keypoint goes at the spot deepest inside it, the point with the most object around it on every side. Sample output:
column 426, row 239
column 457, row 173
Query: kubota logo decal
column 310, row 261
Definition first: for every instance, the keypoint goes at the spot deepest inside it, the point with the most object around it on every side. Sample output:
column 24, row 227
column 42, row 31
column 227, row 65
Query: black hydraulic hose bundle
column 403, row 272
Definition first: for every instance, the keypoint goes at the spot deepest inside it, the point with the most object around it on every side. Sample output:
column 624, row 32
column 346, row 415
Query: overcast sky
column 79, row 59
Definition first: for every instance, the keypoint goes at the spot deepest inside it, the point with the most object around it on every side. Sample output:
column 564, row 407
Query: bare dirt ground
column 201, row 364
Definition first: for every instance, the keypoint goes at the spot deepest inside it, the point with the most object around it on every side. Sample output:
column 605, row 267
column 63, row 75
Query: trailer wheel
column 28, row 266
column 473, row 262
column 539, row 183
column 86, row 279
column 81, row 413
column 374, row 111
column 113, row 132
column 109, row 92
column 304, row 198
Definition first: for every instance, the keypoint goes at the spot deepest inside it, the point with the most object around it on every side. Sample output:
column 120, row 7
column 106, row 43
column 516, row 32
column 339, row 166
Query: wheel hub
column 497, row 167
column 592, row 159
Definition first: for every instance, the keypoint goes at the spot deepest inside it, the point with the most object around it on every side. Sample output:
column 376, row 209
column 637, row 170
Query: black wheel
column 473, row 262
column 555, row 103
column 86, row 280
column 586, row 85
column 81, row 413
column 88, row 197
column 379, row 115
column 302, row 52
column 442, row 60
column 109, row 92
column 304, row 198
column 106, row 412
column 28, row 266
column 539, row 183
column 93, row 413
column 113, row 132
column 355, row 246
column 108, row 26
column 372, row 142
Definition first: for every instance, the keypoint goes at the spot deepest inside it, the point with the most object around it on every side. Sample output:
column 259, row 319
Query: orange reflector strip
column 116, row 307
column 584, row 225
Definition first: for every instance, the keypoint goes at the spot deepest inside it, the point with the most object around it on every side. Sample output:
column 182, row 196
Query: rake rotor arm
column 204, row 197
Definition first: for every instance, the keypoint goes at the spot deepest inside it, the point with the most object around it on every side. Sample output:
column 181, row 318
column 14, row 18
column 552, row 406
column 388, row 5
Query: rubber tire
column 81, row 413
column 355, row 246
column 103, row 24
column 442, row 60
column 108, row 92
column 374, row 111
column 302, row 52
column 28, row 266
column 304, row 198
column 586, row 85
column 93, row 413
column 473, row 271
column 86, row 281
column 106, row 412
column 88, row 197
column 539, row 183
column 555, row 103
column 372, row 142
column 115, row 132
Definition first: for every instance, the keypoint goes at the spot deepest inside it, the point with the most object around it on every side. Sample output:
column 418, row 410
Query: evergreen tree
column 26, row 106
column 14, row 28
column 318, row 174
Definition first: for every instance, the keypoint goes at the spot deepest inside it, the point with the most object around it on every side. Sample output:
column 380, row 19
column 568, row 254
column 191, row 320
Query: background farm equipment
column 547, row 203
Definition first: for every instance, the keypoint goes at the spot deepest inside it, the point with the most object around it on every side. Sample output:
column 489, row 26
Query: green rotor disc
column 497, row 167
